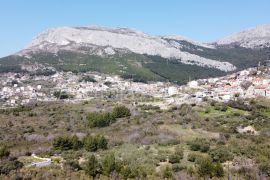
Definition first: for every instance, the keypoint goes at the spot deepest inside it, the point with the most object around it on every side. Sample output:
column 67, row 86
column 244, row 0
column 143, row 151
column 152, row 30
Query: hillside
column 136, row 55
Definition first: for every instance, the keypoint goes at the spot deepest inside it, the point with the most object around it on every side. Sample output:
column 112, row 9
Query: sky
column 200, row 20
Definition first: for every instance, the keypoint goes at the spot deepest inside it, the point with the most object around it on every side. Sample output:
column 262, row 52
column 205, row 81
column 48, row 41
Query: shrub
column 90, row 143
column 185, row 109
column 72, row 165
column 87, row 79
column 120, row 112
column 92, row 167
column 167, row 172
column 108, row 164
column 4, row 152
column 93, row 143
column 265, row 168
column 179, row 152
column 218, row 170
column 9, row 165
column 62, row 95
column 205, row 167
column 199, row 145
column 125, row 172
column 177, row 167
column 174, row 158
column 192, row 157
column 66, row 143
column 100, row 119
column 221, row 154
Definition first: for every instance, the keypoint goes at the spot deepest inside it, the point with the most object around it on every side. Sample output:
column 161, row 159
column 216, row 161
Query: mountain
column 134, row 54
column 258, row 37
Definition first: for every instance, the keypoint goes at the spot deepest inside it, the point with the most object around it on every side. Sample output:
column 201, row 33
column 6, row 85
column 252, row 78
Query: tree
column 92, row 167
column 108, row 165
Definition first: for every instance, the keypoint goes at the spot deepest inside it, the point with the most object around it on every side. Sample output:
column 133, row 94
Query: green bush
column 205, row 167
column 174, row 158
column 108, row 164
column 177, row 167
column 100, row 119
column 218, row 170
column 221, row 154
column 72, row 165
column 120, row 112
column 192, row 157
column 4, row 152
column 64, row 143
column 167, row 172
column 7, row 166
column 185, row 109
column 93, row 143
column 92, row 167
column 199, row 145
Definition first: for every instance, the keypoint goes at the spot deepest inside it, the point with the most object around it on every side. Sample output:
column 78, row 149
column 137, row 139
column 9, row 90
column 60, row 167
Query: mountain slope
column 68, row 38
column 258, row 37
column 134, row 54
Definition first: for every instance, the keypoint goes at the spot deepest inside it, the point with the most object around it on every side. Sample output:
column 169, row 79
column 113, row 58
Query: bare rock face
column 258, row 37
column 108, row 41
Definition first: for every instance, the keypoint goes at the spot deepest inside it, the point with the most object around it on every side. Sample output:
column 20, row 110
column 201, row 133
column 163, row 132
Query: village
column 20, row 89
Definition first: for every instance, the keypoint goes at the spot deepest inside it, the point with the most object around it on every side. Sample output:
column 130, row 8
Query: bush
column 265, row 168
column 72, row 165
column 92, row 167
column 167, row 172
column 177, row 167
column 192, row 157
column 93, row 143
column 4, row 152
column 218, row 170
column 205, row 167
column 174, row 158
column 87, row 79
column 7, row 166
column 185, row 109
column 108, row 164
column 120, row 112
column 66, row 143
column 62, row 95
column 100, row 119
column 199, row 145
column 221, row 154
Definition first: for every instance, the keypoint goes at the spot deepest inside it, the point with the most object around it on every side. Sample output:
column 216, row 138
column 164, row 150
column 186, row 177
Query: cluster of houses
column 19, row 89
column 250, row 83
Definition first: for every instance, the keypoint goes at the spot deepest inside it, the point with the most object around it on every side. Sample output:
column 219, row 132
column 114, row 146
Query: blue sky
column 202, row 20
